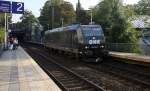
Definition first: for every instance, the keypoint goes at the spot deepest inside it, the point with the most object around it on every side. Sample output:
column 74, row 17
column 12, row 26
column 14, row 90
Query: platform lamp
column 51, row 2
column 91, row 15
column 62, row 22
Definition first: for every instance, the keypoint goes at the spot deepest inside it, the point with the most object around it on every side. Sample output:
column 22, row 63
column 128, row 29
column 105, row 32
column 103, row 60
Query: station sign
column 17, row 7
column 11, row 7
column 5, row 6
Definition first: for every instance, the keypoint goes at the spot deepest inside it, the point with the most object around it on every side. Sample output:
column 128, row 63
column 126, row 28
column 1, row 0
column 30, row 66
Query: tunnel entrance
column 18, row 34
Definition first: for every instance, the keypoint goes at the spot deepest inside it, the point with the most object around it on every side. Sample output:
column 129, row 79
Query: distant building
column 78, row 6
column 82, row 15
column 78, row 9
column 141, row 22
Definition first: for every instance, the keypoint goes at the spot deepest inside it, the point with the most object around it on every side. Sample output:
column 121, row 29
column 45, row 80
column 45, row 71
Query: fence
column 142, row 49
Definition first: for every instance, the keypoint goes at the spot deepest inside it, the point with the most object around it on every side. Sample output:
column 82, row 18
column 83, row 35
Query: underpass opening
column 18, row 34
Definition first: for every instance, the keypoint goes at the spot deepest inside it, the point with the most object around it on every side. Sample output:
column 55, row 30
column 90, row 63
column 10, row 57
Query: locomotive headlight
column 102, row 46
column 80, row 52
column 86, row 47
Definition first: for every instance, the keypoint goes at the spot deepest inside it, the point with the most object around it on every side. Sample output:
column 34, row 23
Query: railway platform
column 19, row 72
column 131, row 57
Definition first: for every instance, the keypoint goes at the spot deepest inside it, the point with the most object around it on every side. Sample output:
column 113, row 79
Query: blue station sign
column 11, row 7
column 5, row 6
column 18, row 7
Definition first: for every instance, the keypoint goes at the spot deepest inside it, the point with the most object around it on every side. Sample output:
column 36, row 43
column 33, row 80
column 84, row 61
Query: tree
column 143, row 7
column 67, row 13
column 45, row 17
column 112, row 16
column 2, row 19
column 29, row 24
column 54, row 12
column 28, row 18
column 102, row 14
column 2, row 34
column 2, row 24
column 129, row 11
column 55, row 2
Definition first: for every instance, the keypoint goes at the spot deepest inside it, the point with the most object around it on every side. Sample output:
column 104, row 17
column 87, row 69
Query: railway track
column 65, row 78
column 127, row 71
column 132, row 74
column 128, row 74
column 112, row 68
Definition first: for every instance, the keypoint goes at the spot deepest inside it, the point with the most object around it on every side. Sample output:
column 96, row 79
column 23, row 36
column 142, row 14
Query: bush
column 2, row 35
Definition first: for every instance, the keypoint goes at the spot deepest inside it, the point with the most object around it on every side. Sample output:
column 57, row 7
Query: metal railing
column 141, row 49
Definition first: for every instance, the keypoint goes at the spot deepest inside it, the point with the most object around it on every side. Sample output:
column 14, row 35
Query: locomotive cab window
column 92, row 31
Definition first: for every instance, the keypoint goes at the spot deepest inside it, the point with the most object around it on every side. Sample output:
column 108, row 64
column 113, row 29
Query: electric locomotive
column 85, row 41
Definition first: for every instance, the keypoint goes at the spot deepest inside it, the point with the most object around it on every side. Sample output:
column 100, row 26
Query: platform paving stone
column 19, row 72
column 131, row 56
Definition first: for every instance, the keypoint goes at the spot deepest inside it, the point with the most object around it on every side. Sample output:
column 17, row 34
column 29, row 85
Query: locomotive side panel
column 87, row 41
column 64, row 40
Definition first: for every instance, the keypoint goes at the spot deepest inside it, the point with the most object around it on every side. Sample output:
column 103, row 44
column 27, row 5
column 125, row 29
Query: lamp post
column 53, row 12
column 47, row 26
column 53, row 16
column 8, row 22
column 62, row 22
column 91, row 16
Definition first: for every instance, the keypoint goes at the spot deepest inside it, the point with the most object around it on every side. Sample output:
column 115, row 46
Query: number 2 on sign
column 20, row 7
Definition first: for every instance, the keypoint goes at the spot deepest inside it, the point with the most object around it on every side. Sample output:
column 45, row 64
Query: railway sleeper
column 66, row 78
column 71, row 81
column 59, row 74
column 80, row 88
column 75, row 85
column 68, row 81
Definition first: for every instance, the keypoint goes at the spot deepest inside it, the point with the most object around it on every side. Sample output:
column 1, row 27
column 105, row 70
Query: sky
column 36, row 5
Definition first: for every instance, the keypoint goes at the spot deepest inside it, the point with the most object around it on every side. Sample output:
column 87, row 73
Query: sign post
column 10, row 7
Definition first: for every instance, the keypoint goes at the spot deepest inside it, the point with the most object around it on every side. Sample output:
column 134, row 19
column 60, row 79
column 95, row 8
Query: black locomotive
column 86, row 41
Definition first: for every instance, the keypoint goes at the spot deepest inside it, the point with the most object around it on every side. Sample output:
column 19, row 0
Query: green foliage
column 143, row 7
column 112, row 16
column 67, row 12
column 2, row 24
column 114, row 19
column 2, row 19
column 54, row 12
column 2, row 35
column 146, row 20
column 129, row 11
column 28, row 18
column 55, row 2
column 102, row 14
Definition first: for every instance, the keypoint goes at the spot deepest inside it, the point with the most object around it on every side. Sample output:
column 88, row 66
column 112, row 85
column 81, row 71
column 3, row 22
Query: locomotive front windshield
column 92, row 31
